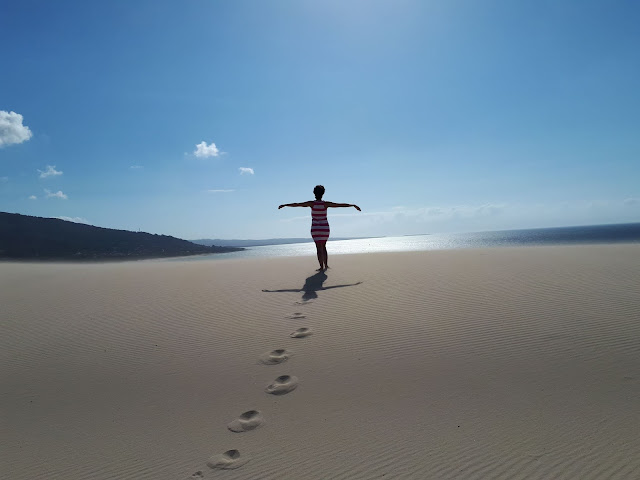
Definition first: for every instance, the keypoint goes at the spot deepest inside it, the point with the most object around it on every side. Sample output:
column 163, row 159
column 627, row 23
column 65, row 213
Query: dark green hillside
column 34, row 238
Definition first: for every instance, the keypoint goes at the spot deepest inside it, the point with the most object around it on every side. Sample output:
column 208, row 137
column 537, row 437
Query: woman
column 319, row 223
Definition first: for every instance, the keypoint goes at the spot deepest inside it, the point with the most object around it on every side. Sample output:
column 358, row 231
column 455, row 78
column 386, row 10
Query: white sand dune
column 509, row 363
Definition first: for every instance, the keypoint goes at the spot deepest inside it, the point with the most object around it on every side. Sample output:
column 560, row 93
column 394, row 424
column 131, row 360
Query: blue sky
column 196, row 118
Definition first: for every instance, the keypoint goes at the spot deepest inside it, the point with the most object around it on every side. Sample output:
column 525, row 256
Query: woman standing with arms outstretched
column 319, row 222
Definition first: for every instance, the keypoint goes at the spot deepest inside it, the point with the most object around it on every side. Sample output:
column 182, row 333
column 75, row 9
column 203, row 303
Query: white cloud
column 74, row 219
column 12, row 130
column 244, row 170
column 632, row 201
column 136, row 167
column 33, row 197
column 57, row 194
column 455, row 211
column 204, row 151
column 4, row 179
column 220, row 190
column 49, row 172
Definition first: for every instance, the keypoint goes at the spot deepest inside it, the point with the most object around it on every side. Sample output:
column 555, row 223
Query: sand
column 506, row 363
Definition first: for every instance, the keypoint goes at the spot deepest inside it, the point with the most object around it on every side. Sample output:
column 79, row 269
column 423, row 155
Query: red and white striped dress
column 319, row 222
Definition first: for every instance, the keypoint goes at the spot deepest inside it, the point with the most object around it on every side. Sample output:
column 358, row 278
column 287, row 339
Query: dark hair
column 318, row 191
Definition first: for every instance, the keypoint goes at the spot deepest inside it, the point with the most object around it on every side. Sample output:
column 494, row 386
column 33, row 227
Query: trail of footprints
column 253, row 419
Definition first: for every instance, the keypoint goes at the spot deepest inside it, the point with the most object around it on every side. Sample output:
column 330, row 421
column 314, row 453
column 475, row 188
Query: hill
column 23, row 237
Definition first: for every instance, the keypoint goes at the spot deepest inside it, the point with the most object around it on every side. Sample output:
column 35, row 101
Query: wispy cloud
column 49, row 172
column 32, row 197
column 58, row 194
column 631, row 201
column 12, row 130
column 74, row 219
column 204, row 151
column 426, row 213
column 136, row 167
column 220, row 190
column 4, row 179
column 244, row 170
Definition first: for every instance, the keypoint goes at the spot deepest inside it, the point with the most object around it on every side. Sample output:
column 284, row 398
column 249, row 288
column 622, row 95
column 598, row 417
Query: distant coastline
column 262, row 242
column 598, row 233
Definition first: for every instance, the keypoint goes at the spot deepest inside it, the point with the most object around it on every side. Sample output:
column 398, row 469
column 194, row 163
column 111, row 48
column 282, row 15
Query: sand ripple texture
column 505, row 363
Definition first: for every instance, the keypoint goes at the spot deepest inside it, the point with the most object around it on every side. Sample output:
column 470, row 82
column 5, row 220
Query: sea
column 593, row 234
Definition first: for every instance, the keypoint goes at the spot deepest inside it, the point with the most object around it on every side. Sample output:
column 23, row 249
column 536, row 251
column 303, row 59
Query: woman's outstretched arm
column 331, row 204
column 301, row 204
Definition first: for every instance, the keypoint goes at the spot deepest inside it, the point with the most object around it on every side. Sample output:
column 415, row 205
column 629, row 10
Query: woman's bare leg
column 319, row 248
column 326, row 255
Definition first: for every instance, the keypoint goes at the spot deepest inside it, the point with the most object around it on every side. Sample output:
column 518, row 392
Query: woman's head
column 318, row 191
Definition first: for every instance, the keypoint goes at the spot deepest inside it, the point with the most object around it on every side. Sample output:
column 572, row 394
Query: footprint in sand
column 275, row 357
column 247, row 421
column 536, row 456
column 301, row 333
column 198, row 474
column 228, row 460
column 282, row 385
column 296, row 316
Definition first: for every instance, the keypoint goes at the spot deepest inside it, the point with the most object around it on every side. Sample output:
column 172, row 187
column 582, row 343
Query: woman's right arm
column 332, row 204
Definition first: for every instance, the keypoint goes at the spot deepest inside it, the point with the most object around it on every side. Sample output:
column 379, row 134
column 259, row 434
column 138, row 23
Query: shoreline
column 208, row 256
column 606, row 234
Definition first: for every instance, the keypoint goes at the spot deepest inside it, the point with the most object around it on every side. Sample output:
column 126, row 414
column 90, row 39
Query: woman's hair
column 318, row 191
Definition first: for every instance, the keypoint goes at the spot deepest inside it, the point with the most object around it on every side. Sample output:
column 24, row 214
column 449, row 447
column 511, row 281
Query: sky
column 197, row 118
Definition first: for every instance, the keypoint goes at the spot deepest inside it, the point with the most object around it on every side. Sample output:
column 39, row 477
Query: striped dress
column 319, row 222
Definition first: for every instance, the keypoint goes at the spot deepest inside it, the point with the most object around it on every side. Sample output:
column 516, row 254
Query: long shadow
column 312, row 285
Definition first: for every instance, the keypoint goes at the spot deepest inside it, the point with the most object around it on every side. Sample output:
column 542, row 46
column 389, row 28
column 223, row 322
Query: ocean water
column 622, row 233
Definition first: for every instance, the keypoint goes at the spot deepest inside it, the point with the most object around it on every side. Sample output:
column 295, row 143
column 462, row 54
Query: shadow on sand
column 312, row 285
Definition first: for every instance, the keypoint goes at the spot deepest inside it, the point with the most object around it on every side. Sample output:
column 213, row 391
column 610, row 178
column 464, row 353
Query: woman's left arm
column 299, row 204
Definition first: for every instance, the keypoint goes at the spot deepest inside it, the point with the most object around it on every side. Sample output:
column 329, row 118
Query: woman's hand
column 280, row 207
column 357, row 208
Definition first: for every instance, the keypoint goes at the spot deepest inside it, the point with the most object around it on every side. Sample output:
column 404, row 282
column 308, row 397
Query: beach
column 495, row 363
